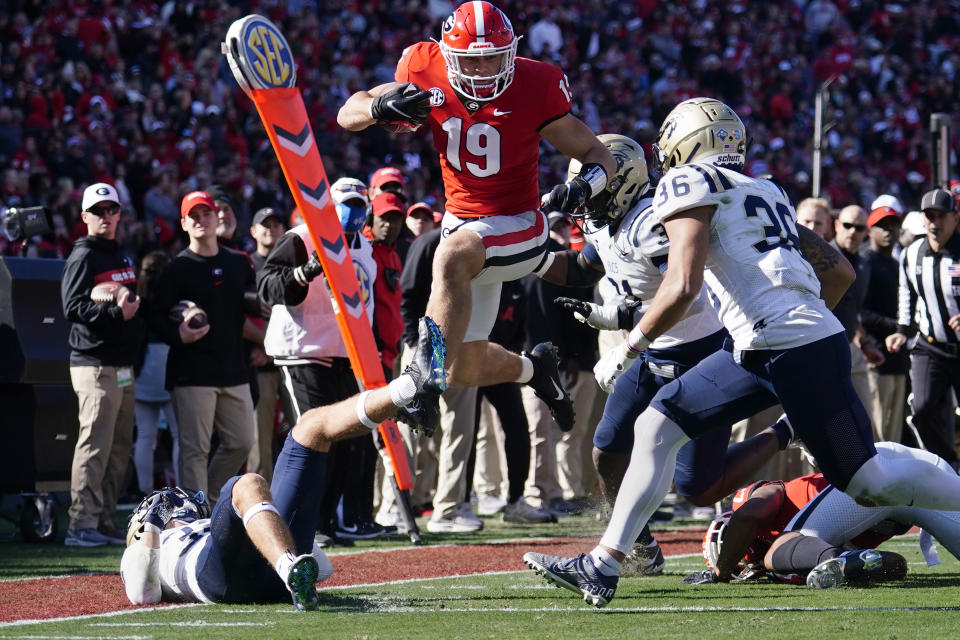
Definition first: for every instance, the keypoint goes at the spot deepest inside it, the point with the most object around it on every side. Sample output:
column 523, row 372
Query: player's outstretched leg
column 427, row 374
column 576, row 574
column 302, row 581
column 867, row 565
column 547, row 385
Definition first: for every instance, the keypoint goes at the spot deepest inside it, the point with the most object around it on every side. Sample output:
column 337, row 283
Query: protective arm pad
column 595, row 176
column 580, row 272
column 140, row 572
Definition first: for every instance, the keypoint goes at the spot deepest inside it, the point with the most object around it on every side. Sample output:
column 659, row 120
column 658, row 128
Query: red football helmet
column 479, row 29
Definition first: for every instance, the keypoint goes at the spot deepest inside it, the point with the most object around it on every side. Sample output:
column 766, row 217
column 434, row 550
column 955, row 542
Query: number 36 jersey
column 488, row 150
column 632, row 257
column 769, row 294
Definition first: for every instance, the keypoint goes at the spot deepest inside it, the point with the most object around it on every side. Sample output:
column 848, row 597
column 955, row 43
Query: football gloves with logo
column 406, row 103
column 608, row 317
column 574, row 193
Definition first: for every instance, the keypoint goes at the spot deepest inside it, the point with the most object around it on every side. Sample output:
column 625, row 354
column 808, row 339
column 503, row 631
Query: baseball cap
column 939, row 199
column 267, row 212
column 385, row 175
column 219, row 194
column 421, row 206
column 193, row 199
column 97, row 193
column 879, row 214
column 915, row 223
column 887, row 200
column 387, row 202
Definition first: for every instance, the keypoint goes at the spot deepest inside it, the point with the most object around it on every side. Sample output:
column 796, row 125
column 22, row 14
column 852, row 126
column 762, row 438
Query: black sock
column 802, row 553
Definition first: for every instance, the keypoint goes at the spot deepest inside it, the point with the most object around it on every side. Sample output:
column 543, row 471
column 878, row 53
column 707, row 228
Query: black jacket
column 99, row 335
column 217, row 284
column 416, row 279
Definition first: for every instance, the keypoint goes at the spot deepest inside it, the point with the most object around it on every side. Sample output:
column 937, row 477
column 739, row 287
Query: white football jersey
column 180, row 549
column 631, row 258
column 769, row 294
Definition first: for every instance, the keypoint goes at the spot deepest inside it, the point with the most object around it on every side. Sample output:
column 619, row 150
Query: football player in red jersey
column 487, row 110
column 781, row 528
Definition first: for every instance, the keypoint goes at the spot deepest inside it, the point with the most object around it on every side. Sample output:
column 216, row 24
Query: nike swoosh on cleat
column 559, row 390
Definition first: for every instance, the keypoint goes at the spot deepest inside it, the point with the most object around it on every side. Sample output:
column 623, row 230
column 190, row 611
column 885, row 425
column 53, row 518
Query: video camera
column 23, row 222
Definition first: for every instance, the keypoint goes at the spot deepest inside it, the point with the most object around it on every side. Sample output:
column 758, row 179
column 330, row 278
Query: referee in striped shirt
column 929, row 302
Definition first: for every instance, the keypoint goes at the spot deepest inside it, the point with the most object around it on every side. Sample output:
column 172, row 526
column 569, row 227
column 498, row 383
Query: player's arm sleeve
column 140, row 572
column 275, row 281
column 75, row 286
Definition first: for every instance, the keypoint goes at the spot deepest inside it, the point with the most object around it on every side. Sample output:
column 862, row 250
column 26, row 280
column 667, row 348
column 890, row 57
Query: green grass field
column 519, row 604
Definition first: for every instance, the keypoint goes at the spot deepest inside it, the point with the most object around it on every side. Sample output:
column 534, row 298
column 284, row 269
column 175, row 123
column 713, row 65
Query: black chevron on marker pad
column 352, row 301
column 316, row 192
column 296, row 138
column 333, row 247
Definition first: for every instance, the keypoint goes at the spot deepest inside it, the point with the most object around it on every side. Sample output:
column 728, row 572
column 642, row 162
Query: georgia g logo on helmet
column 478, row 29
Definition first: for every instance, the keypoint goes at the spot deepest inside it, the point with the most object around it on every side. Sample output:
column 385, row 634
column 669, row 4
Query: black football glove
column 566, row 197
column 305, row 273
column 406, row 103
column 605, row 317
column 707, row 576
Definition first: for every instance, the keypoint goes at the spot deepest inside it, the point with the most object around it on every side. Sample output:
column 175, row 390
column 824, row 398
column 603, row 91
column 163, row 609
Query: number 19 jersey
column 769, row 294
column 488, row 150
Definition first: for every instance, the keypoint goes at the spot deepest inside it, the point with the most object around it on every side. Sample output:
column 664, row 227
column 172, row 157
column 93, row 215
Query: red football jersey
column 797, row 494
column 488, row 155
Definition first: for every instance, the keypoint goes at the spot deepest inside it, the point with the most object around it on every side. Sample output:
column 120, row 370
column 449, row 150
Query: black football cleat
column 428, row 374
column 858, row 568
column 547, row 385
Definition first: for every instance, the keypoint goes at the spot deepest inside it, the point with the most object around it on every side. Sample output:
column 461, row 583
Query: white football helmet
column 701, row 130
column 623, row 189
column 164, row 505
column 478, row 29
column 713, row 539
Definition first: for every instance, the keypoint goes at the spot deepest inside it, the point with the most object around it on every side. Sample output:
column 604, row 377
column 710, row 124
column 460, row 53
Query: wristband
column 594, row 175
column 362, row 412
column 636, row 343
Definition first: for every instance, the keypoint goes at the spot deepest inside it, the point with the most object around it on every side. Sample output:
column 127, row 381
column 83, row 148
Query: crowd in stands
column 138, row 95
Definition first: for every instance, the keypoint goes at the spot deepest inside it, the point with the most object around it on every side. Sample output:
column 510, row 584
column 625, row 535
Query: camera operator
column 105, row 340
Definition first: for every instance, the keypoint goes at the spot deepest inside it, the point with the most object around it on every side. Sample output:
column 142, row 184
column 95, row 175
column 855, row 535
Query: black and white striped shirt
column 929, row 293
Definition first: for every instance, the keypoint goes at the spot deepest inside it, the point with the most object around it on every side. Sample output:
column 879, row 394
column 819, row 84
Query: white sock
column 402, row 390
column 527, row 371
column 282, row 567
column 604, row 562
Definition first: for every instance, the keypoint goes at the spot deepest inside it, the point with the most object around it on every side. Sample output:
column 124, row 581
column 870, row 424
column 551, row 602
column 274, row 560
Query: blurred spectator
column 206, row 369
column 303, row 339
column 420, row 219
column 105, row 337
column 879, row 319
column 383, row 230
column 814, row 214
column 152, row 398
column 266, row 230
column 850, row 229
column 556, row 480
column 926, row 298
